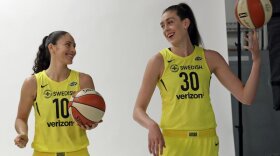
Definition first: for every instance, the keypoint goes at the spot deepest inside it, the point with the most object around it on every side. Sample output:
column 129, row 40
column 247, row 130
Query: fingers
column 156, row 141
column 248, row 37
column 255, row 34
column 88, row 126
column 94, row 125
column 251, row 35
column 159, row 147
column 21, row 141
column 246, row 47
column 81, row 125
column 20, row 144
column 156, row 147
column 150, row 146
column 252, row 41
column 162, row 145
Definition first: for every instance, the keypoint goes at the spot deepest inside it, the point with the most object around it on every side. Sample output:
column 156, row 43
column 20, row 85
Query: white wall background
column 114, row 39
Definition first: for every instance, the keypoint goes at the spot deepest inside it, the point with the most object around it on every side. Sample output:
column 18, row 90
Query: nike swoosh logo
column 42, row 86
column 170, row 60
column 198, row 58
column 73, row 84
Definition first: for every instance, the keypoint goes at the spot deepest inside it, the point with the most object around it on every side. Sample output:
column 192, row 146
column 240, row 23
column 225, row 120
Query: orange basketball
column 87, row 106
column 253, row 14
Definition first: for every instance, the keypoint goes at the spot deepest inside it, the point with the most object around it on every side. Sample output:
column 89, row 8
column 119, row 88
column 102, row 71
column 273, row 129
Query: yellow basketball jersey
column 184, row 89
column 55, row 131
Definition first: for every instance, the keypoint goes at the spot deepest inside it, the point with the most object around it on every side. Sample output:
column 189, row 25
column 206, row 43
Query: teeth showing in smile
column 70, row 55
column 170, row 35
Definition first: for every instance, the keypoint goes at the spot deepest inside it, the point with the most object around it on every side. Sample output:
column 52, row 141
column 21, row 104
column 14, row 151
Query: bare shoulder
column 156, row 62
column 30, row 85
column 86, row 81
column 211, row 54
column 156, row 65
column 30, row 81
column 157, row 59
column 85, row 77
column 214, row 59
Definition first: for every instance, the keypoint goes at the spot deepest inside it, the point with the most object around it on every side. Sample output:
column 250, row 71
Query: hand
column 253, row 44
column 21, row 140
column 156, row 140
column 88, row 126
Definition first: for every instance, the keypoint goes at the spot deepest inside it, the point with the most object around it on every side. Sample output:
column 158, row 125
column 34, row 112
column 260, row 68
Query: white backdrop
column 115, row 39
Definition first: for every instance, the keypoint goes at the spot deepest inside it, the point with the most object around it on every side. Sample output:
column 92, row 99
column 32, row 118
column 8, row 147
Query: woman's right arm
column 151, row 76
column 27, row 97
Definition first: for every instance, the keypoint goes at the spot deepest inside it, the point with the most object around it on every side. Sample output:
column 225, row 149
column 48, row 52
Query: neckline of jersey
column 60, row 82
column 186, row 57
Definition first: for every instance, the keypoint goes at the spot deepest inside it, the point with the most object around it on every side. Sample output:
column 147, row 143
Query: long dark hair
column 184, row 11
column 43, row 57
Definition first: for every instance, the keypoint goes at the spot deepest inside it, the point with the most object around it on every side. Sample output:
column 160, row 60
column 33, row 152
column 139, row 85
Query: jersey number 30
column 190, row 80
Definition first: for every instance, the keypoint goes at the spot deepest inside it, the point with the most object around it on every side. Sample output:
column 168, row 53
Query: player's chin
column 68, row 62
column 173, row 42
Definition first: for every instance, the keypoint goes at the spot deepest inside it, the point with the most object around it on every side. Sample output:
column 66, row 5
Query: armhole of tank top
column 164, row 64
column 205, row 62
column 37, row 87
column 78, row 79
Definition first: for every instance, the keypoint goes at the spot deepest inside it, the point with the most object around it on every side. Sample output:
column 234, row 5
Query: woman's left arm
column 87, row 82
column 244, row 93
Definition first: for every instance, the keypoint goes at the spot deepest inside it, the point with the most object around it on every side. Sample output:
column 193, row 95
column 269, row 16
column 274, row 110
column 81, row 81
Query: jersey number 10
column 61, row 108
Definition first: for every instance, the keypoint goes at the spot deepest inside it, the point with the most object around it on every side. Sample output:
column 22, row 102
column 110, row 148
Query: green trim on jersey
column 55, row 131
column 184, row 89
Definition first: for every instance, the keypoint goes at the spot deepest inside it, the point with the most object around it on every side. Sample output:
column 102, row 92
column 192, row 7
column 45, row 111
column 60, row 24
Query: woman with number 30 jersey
column 48, row 90
column 182, row 73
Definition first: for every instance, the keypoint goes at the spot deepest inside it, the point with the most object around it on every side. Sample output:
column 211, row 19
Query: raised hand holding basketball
column 253, row 44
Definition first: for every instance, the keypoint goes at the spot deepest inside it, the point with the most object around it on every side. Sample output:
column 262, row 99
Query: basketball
column 253, row 14
column 87, row 106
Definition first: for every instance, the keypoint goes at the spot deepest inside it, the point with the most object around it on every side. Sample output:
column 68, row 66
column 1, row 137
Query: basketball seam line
column 81, row 114
column 89, row 94
column 88, row 105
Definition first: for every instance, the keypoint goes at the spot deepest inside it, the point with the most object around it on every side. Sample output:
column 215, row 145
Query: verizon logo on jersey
column 189, row 96
column 60, row 123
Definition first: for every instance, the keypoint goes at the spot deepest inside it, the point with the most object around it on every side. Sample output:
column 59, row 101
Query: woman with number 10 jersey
column 182, row 73
column 48, row 90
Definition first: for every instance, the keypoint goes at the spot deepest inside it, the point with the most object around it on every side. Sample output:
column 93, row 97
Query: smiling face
column 64, row 50
column 174, row 29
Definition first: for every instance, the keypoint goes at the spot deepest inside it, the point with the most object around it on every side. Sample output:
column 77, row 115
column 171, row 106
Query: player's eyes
column 68, row 45
column 170, row 22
